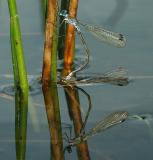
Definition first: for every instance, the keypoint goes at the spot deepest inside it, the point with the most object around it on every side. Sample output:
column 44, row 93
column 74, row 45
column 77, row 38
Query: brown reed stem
column 70, row 39
column 71, row 92
column 49, row 37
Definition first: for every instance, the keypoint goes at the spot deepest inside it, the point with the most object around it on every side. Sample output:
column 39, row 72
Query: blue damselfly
column 103, row 35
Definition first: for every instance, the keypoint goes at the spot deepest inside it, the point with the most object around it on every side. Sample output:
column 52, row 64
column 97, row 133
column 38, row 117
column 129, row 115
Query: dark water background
column 130, row 140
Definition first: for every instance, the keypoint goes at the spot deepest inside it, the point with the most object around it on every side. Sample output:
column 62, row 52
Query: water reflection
column 55, row 126
column 109, row 121
column 21, row 109
column 74, row 108
column 146, row 119
column 53, row 114
column 117, row 77
column 54, row 122
column 118, row 13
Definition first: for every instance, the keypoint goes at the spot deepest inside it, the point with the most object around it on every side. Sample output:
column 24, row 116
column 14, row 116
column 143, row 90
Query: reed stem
column 20, row 81
column 54, row 57
column 50, row 46
column 62, row 29
column 70, row 39
column 19, row 68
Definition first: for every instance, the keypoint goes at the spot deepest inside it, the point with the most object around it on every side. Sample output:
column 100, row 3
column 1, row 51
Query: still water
column 132, row 139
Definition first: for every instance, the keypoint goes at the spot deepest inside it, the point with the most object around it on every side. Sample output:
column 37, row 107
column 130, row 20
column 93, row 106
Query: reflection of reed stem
column 21, row 110
column 75, row 113
column 43, row 9
column 54, row 122
column 118, row 13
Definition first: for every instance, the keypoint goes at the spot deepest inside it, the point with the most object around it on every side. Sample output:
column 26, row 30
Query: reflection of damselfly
column 109, row 121
column 103, row 35
column 116, row 77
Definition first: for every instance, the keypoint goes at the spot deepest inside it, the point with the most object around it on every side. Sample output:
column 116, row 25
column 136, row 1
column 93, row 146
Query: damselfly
column 111, row 120
column 103, row 35
column 118, row 77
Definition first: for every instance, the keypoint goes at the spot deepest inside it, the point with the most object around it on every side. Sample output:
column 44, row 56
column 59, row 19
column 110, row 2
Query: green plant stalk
column 17, row 48
column 20, row 82
column 54, row 57
column 43, row 7
column 14, row 62
column 62, row 30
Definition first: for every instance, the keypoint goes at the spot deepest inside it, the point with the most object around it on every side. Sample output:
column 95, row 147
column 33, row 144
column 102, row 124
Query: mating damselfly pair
column 109, row 121
column 103, row 35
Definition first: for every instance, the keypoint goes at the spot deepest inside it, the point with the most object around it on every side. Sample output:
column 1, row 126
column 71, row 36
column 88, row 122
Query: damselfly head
column 63, row 13
column 68, row 148
column 122, row 41
column 125, row 115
